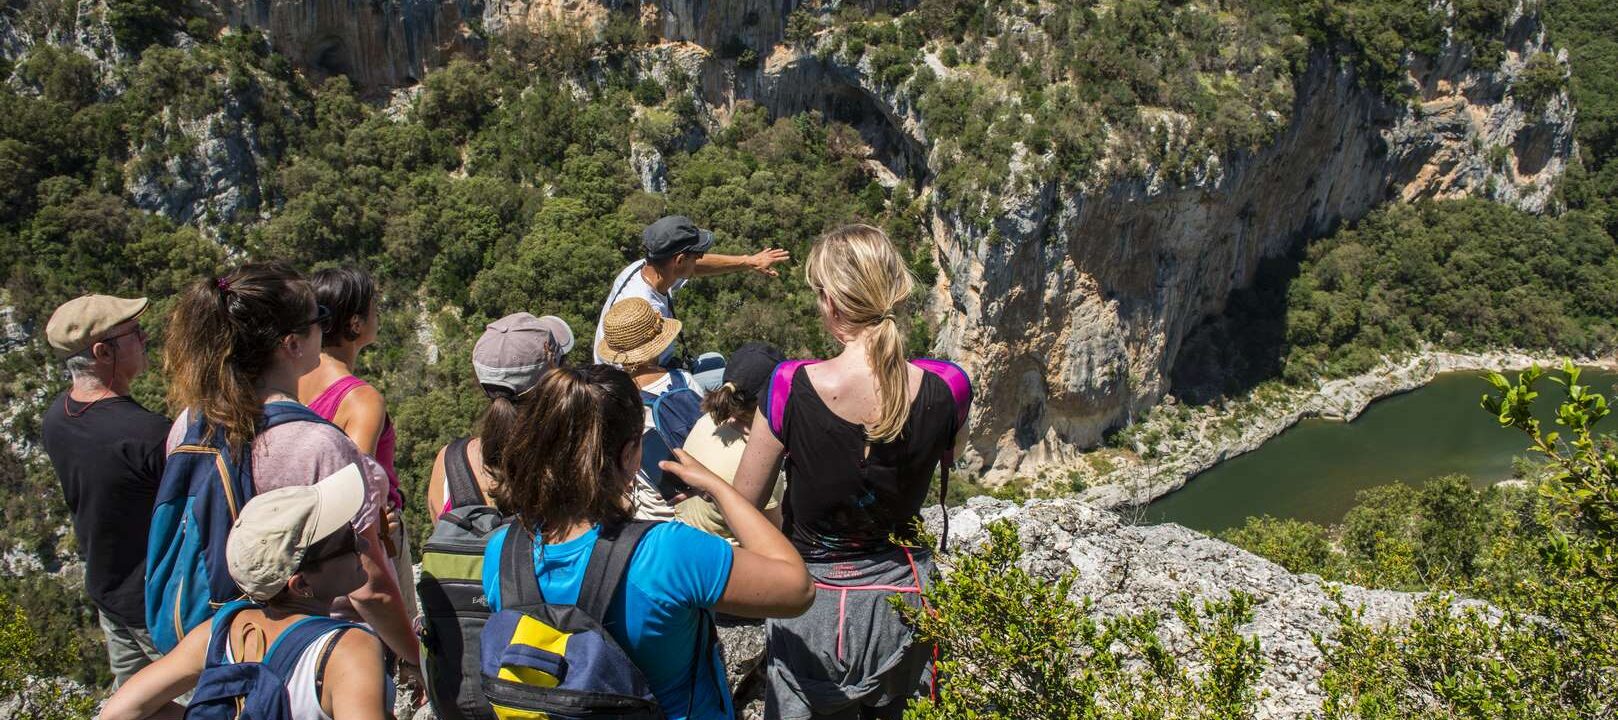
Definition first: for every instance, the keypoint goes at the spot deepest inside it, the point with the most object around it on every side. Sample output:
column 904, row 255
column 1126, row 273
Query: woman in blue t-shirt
column 567, row 470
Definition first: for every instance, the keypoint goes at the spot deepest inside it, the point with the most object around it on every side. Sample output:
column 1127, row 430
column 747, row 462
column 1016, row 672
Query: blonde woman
column 862, row 435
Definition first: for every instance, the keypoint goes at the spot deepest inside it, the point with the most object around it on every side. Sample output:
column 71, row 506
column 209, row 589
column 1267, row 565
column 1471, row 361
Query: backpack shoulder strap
column 221, row 631
column 459, row 481
column 609, row 562
column 519, row 587
column 283, row 656
column 960, row 385
column 637, row 265
column 960, row 388
column 283, row 412
column 777, row 392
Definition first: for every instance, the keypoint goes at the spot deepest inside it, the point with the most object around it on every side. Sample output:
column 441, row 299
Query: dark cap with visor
column 672, row 235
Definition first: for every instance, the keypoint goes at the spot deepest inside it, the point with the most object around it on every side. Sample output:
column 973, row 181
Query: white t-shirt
column 630, row 283
column 649, row 503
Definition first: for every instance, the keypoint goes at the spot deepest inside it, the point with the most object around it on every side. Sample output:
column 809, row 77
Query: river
column 1313, row 470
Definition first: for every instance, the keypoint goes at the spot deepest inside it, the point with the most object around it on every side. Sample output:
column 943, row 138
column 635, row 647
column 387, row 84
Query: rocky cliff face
column 1084, row 304
column 1071, row 307
column 379, row 45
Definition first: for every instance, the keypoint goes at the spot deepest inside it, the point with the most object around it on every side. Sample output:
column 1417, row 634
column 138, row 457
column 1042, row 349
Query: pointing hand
column 762, row 260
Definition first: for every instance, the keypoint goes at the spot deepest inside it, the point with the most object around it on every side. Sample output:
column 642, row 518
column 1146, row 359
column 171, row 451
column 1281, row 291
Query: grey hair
column 81, row 364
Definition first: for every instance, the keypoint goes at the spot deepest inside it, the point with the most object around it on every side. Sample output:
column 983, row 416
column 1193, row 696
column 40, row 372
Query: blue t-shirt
column 675, row 573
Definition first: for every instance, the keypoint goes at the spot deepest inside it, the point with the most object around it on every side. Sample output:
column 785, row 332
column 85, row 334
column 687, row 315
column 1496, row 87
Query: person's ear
column 298, row 586
column 103, row 352
column 356, row 324
column 293, row 343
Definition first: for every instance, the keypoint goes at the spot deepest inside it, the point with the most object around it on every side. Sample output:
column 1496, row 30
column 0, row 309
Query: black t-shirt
column 109, row 458
column 843, row 504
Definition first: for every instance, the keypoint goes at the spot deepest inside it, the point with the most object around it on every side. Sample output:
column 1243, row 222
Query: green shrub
column 1018, row 646
column 31, row 668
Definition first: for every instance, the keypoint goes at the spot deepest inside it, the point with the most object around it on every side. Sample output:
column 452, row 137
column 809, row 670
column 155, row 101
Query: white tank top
column 301, row 686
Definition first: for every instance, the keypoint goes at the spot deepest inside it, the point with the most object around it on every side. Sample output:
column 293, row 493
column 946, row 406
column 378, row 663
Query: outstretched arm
column 711, row 264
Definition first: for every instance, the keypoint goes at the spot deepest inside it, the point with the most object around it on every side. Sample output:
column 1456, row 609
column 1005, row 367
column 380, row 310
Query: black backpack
column 450, row 588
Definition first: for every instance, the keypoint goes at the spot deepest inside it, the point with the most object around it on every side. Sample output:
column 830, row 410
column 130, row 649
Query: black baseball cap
column 750, row 367
column 672, row 235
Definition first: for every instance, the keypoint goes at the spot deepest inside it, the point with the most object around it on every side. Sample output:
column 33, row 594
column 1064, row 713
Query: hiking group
column 251, row 558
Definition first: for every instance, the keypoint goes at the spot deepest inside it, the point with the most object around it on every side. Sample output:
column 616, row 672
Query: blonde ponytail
column 860, row 272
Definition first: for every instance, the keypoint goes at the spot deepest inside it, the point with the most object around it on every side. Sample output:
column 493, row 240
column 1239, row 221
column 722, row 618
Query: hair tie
column 223, row 283
column 888, row 316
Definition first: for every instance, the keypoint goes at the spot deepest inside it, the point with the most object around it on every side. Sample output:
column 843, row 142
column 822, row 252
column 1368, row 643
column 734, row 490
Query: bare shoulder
column 357, row 644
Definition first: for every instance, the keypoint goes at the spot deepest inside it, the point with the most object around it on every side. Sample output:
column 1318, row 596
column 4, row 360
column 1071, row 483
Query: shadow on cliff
column 1227, row 354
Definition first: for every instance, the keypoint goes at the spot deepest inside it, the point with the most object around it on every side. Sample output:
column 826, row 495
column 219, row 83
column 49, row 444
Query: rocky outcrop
column 213, row 177
column 379, row 45
column 1133, row 568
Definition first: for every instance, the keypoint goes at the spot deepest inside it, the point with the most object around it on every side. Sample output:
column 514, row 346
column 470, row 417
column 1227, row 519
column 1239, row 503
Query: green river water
column 1312, row 471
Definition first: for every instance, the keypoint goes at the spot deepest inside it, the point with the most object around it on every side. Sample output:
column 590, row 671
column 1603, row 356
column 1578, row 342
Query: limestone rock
column 1129, row 568
column 379, row 45
column 215, row 179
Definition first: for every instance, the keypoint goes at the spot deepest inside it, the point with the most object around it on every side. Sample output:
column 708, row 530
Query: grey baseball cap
column 672, row 235
column 518, row 348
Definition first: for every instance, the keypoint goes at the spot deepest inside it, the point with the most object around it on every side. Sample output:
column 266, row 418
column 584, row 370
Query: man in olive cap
column 676, row 250
column 108, row 455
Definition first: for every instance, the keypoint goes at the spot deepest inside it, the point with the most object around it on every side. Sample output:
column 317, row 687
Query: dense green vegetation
column 1457, row 274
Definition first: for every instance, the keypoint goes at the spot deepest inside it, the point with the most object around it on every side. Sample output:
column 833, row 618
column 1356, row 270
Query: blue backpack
column 255, row 690
column 673, row 413
column 204, row 486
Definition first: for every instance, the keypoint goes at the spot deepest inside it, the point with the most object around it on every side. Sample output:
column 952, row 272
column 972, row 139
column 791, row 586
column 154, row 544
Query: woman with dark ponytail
column 566, row 474
column 720, row 437
column 509, row 359
column 241, row 341
column 862, row 436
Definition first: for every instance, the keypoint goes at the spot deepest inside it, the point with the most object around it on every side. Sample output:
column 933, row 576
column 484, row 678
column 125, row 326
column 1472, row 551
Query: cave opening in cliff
column 889, row 145
column 331, row 58
column 1230, row 353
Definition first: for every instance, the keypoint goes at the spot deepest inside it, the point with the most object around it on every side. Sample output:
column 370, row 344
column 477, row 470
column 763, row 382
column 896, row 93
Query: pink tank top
column 326, row 406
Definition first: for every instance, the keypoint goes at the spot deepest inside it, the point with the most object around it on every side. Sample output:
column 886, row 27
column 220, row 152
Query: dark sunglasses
column 322, row 318
column 338, row 544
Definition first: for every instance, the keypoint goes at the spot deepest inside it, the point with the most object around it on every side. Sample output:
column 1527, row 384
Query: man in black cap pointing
column 676, row 249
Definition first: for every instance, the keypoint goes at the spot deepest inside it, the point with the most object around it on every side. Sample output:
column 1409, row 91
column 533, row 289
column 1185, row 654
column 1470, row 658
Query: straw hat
column 633, row 332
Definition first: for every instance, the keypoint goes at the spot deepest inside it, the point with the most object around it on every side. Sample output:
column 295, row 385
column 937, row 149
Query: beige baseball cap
column 273, row 531
column 85, row 320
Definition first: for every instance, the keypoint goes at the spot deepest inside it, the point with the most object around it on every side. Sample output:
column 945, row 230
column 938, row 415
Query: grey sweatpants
column 129, row 648
column 852, row 649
